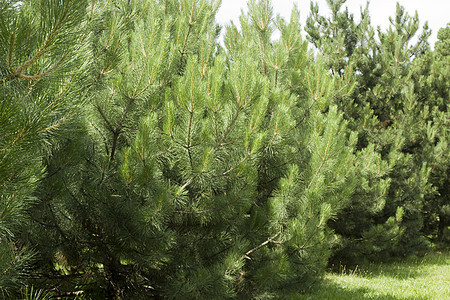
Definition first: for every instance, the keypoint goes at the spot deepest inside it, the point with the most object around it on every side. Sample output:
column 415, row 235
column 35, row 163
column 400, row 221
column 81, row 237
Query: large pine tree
column 194, row 171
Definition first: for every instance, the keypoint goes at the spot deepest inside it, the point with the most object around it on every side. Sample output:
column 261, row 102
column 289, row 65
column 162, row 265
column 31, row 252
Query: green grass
column 413, row 278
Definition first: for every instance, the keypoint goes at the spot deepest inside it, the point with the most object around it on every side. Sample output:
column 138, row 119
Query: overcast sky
column 436, row 12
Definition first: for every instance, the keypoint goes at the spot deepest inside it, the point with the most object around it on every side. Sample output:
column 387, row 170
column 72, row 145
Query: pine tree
column 194, row 171
column 316, row 152
column 394, row 115
column 432, row 83
column 43, row 73
column 144, row 160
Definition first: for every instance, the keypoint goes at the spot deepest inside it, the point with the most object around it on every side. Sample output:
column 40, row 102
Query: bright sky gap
column 436, row 12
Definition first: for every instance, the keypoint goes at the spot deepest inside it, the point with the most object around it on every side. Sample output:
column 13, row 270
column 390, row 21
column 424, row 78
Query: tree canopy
column 141, row 158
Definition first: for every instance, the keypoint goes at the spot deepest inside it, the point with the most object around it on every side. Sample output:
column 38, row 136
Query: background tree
column 390, row 110
column 433, row 81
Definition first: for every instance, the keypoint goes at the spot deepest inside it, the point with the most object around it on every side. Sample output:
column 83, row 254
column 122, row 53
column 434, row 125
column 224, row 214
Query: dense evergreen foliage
column 140, row 158
column 400, row 108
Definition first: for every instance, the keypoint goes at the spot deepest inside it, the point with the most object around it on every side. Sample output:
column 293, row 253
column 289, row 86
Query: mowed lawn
column 413, row 278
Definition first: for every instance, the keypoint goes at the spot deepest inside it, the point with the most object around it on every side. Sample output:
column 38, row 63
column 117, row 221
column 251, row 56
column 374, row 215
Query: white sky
column 436, row 12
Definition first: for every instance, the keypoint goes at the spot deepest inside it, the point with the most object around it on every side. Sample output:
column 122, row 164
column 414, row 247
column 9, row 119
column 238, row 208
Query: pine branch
column 227, row 131
column 47, row 43
column 265, row 243
column 234, row 167
column 18, row 138
column 117, row 130
column 324, row 159
column 191, row 116
column 45, row 73
column 105, row 142
column 314, row 232
column 55, row 276
column 187, row 183
column 12, row 264
column 55, row 222
column 110, row 127
column 75, row 294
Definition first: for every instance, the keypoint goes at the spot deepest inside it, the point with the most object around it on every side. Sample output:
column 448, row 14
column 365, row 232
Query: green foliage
column 399, row 116
column 42, row 64
column 31, row 294
column 140, row 159
column 188, row 178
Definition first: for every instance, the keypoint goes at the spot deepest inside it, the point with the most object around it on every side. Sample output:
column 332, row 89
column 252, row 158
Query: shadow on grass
column 331, row 290
column 407, row 279
column 412, row 267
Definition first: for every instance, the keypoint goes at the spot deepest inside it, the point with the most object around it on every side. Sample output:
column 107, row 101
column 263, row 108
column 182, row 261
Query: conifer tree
column 143, row 160
column 42, row 48
column 391, row 112
column 313, row 155
column 432, row 83
column 195, row 171
column 44, row 72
